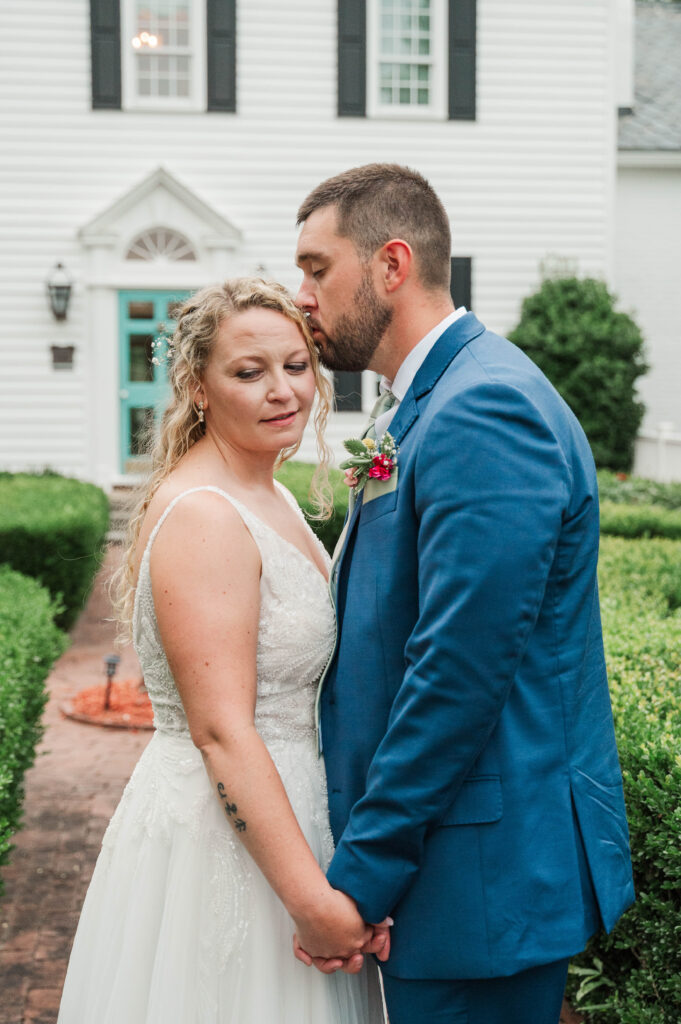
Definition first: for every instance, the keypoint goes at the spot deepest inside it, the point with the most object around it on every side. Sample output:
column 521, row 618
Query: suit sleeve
column 491, row 484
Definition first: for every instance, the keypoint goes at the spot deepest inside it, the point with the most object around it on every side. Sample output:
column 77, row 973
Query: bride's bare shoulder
column 201, row 502
column 203, row 508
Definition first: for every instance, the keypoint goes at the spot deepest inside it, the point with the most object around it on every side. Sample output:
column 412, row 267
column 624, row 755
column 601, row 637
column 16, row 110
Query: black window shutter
column 105, row 54
column 462, row 32
column 352, row 58
column 460, row 286
column 348, row 388
column 221, row 56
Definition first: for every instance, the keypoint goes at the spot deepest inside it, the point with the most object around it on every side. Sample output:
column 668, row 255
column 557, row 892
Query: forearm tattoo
column 231, row 810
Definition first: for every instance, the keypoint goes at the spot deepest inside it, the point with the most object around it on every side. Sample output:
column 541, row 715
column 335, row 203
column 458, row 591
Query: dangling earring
column 201, row 415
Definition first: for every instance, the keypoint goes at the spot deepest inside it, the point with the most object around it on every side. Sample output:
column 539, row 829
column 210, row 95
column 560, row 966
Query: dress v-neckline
column 230, row 497
column 313, row 565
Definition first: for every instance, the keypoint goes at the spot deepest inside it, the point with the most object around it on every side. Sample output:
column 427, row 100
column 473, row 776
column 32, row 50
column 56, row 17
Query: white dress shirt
column 410, row 367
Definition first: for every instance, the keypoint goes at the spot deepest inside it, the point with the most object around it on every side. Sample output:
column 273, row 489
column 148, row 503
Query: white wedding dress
column 179, row 926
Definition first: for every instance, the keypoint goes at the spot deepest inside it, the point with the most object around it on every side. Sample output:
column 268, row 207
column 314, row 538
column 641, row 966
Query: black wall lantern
column 59, row 290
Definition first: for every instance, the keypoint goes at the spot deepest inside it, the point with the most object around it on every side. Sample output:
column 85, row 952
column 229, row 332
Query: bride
column 217, row 850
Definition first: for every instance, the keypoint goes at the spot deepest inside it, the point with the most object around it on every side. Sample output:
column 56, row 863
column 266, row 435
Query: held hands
column 337, row 938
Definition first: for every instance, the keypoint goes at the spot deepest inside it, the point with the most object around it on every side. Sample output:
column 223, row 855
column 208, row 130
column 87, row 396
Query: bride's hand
column 334, row 930
column 378, row 944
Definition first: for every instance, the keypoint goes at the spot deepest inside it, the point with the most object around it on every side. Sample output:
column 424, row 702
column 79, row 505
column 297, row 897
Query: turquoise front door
column 143, row 317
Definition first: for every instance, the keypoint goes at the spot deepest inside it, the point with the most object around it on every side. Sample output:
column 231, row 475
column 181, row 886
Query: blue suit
column 474, row 786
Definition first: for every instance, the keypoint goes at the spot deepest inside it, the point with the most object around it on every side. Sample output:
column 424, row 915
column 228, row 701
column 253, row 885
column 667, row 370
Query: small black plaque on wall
column 62, row 356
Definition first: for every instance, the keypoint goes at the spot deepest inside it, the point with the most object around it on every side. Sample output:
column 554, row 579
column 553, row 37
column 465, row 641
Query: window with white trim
column 407, row 58
column 163, row 51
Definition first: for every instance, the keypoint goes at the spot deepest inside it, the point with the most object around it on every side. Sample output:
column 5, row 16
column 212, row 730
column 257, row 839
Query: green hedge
column 636, row 490
column 53, row 528
column 593, row 355
column 29, row 643
column 636, row 972
column 297, row 477
column 639, row 520
column 634, row 507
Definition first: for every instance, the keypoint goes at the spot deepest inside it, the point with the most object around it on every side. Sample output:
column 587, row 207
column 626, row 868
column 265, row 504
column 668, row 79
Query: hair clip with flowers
column 162, row 349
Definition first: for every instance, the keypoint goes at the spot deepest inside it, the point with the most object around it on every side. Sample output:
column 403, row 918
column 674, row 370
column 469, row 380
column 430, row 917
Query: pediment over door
column 161, row 233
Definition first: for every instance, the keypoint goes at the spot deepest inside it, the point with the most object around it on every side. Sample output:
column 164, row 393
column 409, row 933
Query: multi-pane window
column 406, row 56
column 163, row 45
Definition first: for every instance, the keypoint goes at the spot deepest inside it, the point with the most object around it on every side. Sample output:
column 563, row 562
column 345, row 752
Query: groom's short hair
column 378, row 202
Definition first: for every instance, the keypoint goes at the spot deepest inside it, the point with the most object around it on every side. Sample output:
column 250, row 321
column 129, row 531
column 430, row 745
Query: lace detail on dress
column 168, row 773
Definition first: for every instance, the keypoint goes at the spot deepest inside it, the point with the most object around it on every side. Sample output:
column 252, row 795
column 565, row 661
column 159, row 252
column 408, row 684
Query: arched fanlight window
column 161, row 243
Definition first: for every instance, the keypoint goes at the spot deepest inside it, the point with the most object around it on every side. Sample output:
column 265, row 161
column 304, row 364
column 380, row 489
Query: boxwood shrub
column 636, row 490
column 53, row 528
column 593, row 355
column 297, row 476
column 29, row 643
column 635, row 973
column 640, row 520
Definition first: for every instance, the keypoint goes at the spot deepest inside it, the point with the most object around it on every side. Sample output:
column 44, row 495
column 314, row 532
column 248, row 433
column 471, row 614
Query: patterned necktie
column 385, row 401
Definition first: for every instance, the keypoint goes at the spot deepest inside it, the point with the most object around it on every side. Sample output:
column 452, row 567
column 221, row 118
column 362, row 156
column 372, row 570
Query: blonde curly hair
column 188, row 351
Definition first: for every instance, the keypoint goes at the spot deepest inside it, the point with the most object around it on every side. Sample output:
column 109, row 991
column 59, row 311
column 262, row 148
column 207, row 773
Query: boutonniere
column 369, row 460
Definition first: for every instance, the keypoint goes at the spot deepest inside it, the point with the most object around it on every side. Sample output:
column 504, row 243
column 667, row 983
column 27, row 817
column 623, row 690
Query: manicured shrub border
column 640, row 520
column 53, row 529
column 636, row 972
column 636, row 490
column 297, row 477
column 29, row 643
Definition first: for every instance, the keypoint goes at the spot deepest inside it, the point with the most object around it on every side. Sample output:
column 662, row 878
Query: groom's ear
column 396, row 260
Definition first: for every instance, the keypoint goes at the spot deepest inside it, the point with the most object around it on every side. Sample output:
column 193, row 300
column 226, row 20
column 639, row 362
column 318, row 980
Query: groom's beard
column 356, row 335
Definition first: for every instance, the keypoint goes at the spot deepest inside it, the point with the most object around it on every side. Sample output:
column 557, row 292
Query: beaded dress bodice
column 295, row 636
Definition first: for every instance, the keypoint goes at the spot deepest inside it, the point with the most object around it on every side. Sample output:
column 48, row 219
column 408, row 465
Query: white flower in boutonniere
column 369, row 460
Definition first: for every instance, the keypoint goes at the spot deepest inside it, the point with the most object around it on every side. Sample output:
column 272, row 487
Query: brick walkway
column 71, row 792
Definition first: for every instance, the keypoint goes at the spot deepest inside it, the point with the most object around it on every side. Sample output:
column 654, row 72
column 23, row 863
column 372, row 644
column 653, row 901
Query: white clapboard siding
column 648, row 264
column 530, row 178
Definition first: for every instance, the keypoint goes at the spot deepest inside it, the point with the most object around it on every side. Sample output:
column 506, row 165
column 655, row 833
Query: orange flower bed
column 129, row 707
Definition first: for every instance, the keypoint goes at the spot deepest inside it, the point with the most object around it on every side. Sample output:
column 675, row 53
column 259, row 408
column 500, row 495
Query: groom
column 474, row 787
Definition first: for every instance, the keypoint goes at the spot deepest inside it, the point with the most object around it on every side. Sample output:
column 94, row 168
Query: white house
column 647, row 264
column 152, row 146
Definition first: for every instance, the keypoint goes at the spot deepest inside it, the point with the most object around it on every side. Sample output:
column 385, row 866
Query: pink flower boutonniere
column 369, row 460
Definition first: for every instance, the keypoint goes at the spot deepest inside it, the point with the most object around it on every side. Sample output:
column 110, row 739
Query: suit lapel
column 445, row 349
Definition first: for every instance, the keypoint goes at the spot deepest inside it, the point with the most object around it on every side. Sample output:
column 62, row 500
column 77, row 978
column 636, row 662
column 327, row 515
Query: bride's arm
column 205, row 571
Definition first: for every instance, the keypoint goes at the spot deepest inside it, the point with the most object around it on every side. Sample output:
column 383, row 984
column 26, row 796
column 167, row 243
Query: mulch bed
column 129, row 706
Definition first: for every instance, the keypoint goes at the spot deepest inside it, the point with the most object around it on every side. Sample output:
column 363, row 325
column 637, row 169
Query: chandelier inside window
column 161, row 244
